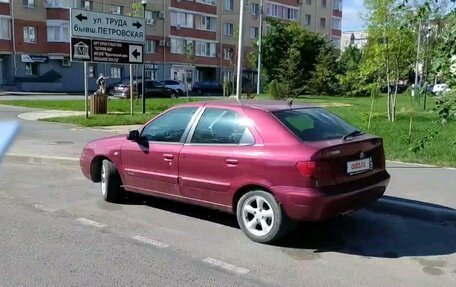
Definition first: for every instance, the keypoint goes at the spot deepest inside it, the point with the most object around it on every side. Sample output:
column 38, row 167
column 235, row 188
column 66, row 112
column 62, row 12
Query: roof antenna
column 290, row 103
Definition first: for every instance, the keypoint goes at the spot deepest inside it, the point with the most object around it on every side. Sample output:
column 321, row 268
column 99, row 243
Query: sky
column 351, row 20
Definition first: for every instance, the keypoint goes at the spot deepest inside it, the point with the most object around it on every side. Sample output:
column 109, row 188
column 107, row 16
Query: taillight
column 307, row 168
column 319, row 171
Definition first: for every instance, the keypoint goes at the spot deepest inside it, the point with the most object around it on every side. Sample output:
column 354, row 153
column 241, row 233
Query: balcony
column 65, row 4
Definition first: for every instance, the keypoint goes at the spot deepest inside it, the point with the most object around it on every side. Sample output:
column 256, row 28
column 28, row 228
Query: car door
column 216, row 156
column 151, row 164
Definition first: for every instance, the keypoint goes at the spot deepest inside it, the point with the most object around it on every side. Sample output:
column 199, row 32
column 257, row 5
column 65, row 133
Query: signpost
column 95, row 25
column 106, row 38
column 101, row 51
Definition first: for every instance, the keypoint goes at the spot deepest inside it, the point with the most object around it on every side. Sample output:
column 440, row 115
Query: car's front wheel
column 261, row 217
column 111, row 183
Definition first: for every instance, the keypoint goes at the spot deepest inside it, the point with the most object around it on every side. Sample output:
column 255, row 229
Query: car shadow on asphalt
column 375, row 234
column 189, row 210
column 363, row 233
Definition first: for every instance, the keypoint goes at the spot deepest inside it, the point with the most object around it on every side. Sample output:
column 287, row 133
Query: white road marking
column 150, row 241
column 90, row 222
column 226, row 266
column 43, row 208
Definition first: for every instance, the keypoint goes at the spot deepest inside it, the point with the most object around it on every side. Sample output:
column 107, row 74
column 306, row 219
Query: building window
column 292, row 14
column 337, row 5
column 58, row 31
column 151, row 46
column 30, row 34
column 149, row 18
column 255, row 9
column 307, row 20
column 280, row 11
column 228, row 29
column 208, row 2
column 336, row 23
column 227, row 53
column 5, row 28
column 322, row 22
column 31, row 69
column 151, row 75
column 336, row 42
column 177, row 46
column 309, row 2
column 59, row 4
column 116, row 9
column 205, row 23
column 29, row 3
column 87, row 5
column 116, row 72
column 253, row 32
column 205, row 49
column 179, row 19
column 229, row 5
column 91, row 71
column 323, row 3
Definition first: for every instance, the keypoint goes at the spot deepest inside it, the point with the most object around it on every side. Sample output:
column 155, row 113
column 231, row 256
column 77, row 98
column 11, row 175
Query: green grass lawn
column 440, row 151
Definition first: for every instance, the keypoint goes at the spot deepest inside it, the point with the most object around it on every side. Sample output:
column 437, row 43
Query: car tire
column 199, row 92
column 111, row 183
column 269, row 217
column 173, row 96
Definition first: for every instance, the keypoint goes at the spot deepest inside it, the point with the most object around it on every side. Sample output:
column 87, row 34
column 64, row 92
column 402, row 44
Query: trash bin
column 98, row 104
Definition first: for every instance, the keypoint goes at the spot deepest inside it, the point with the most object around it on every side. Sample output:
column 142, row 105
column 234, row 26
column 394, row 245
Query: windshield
column 314, row 124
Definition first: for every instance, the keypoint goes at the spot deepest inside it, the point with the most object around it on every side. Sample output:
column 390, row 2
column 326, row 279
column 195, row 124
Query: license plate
column 358, row 166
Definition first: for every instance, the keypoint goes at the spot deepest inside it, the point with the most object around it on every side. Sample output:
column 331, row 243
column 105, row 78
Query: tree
column 276, row 45
column 189, row 54
column 324, row 77
column 391, row 47
column 354, row 78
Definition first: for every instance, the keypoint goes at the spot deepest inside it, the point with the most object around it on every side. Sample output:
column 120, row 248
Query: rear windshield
column 314, row 124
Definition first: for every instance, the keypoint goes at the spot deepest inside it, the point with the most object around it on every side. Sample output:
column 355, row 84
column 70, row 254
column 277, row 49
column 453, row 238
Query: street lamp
column 239, row 56
column 144, row 4
column 259, row 48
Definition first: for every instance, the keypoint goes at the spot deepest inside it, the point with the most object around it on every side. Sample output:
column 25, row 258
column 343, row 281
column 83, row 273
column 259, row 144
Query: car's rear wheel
column 261, row 217
column 111, row 182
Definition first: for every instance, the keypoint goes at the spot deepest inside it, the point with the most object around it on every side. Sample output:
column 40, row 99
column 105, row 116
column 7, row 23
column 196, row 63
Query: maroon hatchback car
column 270, row 163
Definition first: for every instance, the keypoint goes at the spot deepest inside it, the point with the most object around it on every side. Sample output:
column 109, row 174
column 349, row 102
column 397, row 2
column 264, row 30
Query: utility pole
column 239, row 57
column 260, row 37
column 417, row 60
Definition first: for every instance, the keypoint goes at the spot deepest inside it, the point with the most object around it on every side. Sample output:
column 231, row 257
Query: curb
column 41, row 160
column 416, row 209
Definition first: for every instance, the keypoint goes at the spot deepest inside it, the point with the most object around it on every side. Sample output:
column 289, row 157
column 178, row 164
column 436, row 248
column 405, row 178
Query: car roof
column 266, row 105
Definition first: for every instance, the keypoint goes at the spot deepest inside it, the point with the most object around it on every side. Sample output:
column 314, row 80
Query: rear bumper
column 313, row 205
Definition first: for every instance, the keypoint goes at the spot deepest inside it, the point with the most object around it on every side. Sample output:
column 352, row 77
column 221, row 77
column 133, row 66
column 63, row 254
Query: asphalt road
column 57, row 231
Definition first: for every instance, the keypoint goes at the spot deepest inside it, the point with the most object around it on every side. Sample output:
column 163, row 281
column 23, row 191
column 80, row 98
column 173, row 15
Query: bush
column 279, row 91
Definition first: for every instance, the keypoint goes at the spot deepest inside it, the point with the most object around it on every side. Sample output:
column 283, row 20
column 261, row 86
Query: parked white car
column 440, row 89
column 176, row 85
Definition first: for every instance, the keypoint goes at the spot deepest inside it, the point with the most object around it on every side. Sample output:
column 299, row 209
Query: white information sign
column 95, row 25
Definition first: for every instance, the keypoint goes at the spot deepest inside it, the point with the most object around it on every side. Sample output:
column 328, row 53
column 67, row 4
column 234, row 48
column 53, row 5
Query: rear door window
column 314, row 124
column 222, row 126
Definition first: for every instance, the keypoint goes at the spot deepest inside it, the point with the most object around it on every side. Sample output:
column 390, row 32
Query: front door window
column 169, row 127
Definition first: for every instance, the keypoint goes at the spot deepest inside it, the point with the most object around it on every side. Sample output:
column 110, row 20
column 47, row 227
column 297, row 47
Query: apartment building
column 185, row 39
column 353, row 38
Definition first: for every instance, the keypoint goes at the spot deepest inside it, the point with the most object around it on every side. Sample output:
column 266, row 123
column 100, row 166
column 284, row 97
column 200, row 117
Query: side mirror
column 133, row 135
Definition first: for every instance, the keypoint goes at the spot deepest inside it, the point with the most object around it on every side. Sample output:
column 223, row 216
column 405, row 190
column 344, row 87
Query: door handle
column 231, row 162
column 168, row 156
